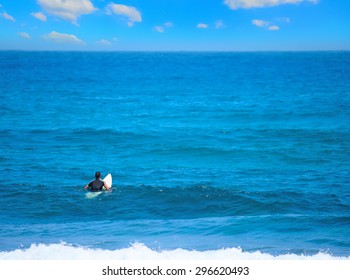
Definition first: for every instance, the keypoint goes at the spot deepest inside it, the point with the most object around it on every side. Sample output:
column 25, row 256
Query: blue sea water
column 235, row 154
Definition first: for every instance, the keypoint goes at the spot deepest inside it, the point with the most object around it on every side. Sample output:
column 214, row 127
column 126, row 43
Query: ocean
column 227, row 155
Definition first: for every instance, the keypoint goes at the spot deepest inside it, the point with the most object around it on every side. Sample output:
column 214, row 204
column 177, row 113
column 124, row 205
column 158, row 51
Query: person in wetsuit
column 97, row 184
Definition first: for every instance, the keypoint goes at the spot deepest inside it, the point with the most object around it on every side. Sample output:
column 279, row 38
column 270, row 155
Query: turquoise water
column 207, row 151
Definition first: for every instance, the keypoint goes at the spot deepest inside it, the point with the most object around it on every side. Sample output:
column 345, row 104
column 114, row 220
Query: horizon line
column 163, row 51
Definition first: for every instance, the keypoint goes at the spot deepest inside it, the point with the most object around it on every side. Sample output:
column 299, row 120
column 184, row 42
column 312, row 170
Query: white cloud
column 202, row 25
column 24, row 35
column 260, row 23
column 158, row 28
column 161, row 28
column 104, row 42
column 130, row 12
column 265, row 24
column 68, row 10
column 39, row 16
column 248, row 4
column 273, row 27
column 63, row 38
column 7, row 16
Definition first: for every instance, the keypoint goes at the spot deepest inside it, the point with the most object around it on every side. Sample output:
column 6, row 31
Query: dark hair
column 97, row 175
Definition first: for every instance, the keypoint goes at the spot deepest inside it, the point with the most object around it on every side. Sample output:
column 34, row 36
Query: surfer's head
column 97, row 175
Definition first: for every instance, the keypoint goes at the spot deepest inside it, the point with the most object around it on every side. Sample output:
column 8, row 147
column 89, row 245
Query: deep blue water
column 207, row 150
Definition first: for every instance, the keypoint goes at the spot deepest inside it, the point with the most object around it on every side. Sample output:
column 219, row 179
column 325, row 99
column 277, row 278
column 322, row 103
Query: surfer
column 97, row 184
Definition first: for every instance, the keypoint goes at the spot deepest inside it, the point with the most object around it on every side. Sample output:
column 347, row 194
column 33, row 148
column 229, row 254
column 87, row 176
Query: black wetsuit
column 96, row 185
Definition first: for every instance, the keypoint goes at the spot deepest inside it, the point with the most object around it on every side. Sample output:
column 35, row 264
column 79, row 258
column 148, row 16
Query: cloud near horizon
column 24, row 35
column 130, row 12
column 69, row 10
column 104, row 42
column 249, row 4
column 63, row 38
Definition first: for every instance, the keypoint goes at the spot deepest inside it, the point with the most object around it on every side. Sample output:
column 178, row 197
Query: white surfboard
column 107, row 180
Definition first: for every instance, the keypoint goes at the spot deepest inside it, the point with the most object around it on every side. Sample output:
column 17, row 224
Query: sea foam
column 139, row 251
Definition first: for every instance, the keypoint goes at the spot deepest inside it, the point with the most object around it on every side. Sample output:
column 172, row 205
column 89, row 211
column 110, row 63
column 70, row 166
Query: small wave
column 139, row 251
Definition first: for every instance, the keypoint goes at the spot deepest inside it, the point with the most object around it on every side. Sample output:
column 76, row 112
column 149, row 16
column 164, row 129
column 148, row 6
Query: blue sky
column 194, row 25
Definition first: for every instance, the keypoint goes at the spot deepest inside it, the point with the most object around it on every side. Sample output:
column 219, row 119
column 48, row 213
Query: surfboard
column 107, row 180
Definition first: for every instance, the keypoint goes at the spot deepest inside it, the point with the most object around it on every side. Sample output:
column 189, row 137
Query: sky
column 175, row 25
